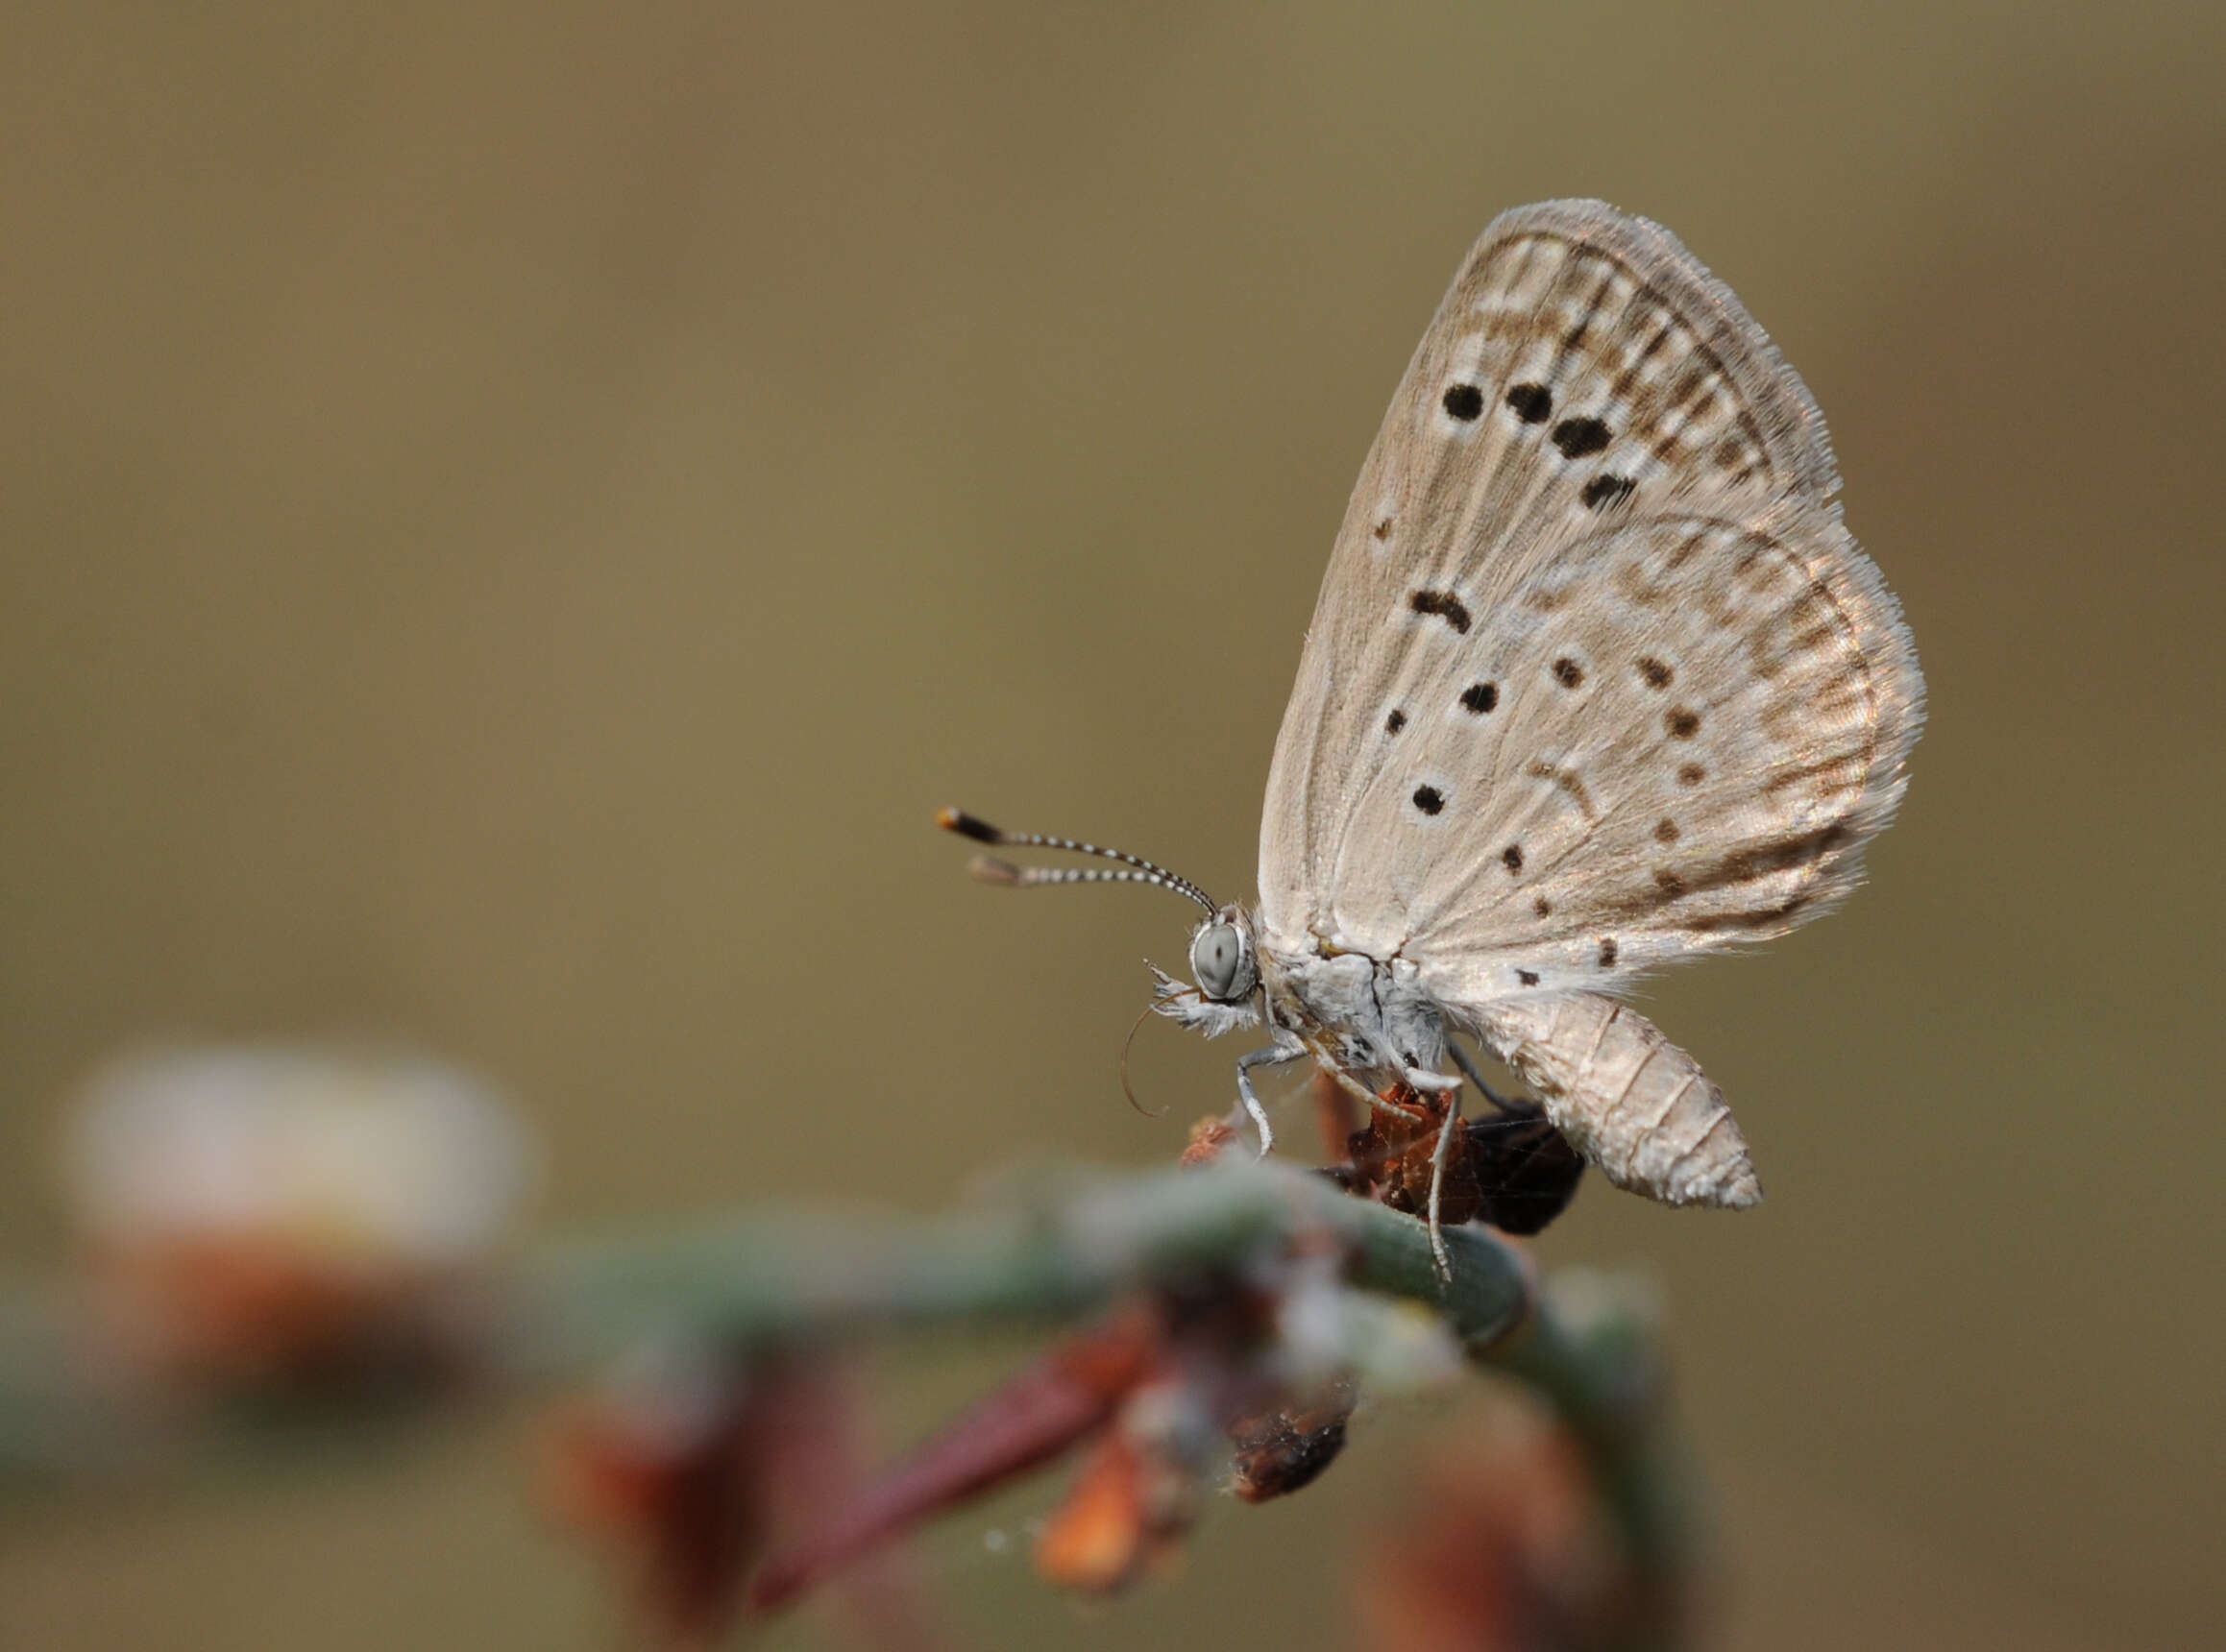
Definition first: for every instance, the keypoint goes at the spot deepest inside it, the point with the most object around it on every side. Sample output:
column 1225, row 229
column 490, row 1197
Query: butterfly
column 1596, row 681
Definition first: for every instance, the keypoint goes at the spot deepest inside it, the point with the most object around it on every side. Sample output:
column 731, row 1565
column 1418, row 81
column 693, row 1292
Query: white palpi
column 1597, row 680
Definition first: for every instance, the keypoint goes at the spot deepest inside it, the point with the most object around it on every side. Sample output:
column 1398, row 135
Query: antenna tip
column 988, row 869
column 968, row 826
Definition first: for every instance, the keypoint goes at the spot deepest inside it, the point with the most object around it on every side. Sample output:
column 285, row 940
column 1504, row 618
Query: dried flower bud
column 1510, row 1168
column 1286, row 1448
column 688, row 1461
column 290, row 1216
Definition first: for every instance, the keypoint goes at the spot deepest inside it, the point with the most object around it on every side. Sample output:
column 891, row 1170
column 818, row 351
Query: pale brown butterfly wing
column 1591, row 581
column 1596, row 679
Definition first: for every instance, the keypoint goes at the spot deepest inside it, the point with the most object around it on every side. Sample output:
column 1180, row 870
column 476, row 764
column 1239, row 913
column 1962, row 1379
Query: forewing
column 1595, row 676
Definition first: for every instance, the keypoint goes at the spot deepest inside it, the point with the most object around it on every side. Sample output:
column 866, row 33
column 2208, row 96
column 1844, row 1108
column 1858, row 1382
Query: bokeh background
column 511, row 520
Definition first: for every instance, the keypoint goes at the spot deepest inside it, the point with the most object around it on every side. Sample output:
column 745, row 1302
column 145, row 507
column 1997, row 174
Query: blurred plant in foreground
column 1537, row 1529
column 272, row 1217
column 292, row 1223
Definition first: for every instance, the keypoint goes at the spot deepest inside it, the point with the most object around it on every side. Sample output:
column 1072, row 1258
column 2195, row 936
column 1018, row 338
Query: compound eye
column 1217, row 958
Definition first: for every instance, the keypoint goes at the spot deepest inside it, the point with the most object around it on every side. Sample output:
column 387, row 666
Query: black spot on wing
column 1579, row 437
column 1445, row 605
column 1603, row 491
column 1532, row 404
column 1464, row 402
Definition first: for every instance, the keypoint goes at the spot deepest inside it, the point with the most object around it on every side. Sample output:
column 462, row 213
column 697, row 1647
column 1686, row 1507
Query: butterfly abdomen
column 1627, row 1099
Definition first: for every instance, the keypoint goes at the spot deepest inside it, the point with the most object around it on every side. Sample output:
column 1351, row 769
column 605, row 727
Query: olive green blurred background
column 514, row 520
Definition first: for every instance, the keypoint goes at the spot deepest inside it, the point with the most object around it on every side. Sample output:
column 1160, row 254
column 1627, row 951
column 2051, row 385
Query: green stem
column 1074, row 1243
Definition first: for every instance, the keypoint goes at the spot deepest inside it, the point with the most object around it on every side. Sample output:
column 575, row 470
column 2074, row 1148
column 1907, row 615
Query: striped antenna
column 995, row 871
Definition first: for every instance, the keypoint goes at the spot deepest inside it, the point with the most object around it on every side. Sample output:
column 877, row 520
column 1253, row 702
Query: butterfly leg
column 1467, row 1064
column 1274, row 1056
column 1450, row 1088
column 1437, row 1163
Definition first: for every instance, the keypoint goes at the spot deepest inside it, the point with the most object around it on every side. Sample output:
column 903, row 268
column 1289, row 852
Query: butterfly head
column 1222, row 958
column 1224, row 961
